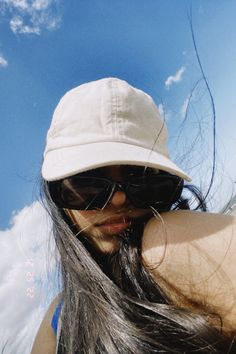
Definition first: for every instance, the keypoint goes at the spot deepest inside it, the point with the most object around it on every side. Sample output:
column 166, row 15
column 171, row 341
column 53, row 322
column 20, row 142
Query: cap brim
column 71, row 160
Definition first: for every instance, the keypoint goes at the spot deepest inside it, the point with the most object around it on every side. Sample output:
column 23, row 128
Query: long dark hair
column 111, row 303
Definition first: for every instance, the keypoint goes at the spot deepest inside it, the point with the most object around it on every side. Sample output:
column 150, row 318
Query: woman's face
column 102, row 227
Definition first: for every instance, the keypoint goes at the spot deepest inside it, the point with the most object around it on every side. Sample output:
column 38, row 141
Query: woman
column 140, row 275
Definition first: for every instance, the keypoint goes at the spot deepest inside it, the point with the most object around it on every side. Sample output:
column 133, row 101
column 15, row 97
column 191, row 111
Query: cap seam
column 114, row 107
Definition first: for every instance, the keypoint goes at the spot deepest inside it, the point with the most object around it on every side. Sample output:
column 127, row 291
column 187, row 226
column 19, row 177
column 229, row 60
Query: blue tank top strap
column 55, row 317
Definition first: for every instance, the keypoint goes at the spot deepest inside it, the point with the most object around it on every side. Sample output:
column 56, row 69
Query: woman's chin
column 107, row 244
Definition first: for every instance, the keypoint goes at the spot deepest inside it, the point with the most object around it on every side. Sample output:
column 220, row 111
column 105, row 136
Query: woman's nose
column 118, row 199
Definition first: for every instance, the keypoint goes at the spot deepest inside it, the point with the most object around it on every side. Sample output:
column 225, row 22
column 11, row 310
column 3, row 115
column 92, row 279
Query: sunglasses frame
column 55, row 191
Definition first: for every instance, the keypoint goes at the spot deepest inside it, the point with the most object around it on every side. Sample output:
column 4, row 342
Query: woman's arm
column 45, row 340
column 193, row 254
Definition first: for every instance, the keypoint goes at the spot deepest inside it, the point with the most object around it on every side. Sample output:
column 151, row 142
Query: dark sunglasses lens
column 83, row 192
column 159, row 191
column 78, row 192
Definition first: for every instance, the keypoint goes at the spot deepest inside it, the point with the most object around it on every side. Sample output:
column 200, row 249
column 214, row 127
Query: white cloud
column 41, row 4
column 17, row 26
column 32, row 16
column 164, row 112
column 3, row 62
column 27, row 283
column 177, row 77
column 20, row 4
column 184, row 106
column 161, row 110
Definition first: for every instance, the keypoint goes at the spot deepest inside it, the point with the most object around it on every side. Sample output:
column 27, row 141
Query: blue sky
column 49, row 46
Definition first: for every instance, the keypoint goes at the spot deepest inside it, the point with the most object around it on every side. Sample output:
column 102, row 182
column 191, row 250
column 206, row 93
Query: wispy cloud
column 184, row 107
column 177, row 77
column 161, row 110
column 165, row 114
column 17, row 26
column 3, row 62
column 32, row 16
column 26, row 269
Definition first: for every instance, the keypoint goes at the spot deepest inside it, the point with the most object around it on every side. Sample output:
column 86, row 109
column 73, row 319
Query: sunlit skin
column 105, row 237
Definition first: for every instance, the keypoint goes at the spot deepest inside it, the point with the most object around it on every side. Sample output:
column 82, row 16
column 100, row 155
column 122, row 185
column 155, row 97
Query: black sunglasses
column 83, row 192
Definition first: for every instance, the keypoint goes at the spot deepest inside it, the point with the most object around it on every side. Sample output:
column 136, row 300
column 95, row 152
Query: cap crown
column 107, row 110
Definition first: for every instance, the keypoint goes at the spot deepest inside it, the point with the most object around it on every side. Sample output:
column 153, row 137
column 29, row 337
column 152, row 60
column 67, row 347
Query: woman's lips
column 113, row 228
column 115, row 225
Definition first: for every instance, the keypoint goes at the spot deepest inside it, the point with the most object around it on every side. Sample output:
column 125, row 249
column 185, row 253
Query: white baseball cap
column 102, row 123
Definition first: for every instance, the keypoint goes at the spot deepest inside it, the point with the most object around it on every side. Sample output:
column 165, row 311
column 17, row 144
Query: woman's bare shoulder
column 45, row 340
column 184, row 219
column 188, row 227
column 195, row 251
